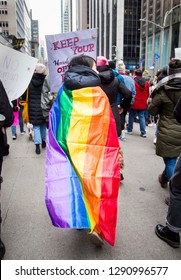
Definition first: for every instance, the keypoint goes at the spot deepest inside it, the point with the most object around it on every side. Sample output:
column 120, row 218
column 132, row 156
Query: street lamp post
column 161, row 37
column 162, row 27
column 114, row 52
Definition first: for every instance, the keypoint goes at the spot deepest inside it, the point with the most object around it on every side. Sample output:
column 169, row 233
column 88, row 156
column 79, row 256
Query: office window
column 149, row 57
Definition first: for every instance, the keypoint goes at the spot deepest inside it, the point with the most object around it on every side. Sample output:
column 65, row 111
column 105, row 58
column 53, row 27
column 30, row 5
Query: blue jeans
column 169, row 167
column 39, row 133
column 13, row 130
column 141, row 116
column 174, row 209
column 21, row 123
column 147, row 115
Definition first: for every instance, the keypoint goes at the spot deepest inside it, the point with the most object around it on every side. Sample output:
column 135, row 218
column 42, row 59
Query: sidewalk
column 27, row 230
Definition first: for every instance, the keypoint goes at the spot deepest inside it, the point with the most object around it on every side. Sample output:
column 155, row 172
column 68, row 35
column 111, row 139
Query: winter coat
column 164, row 99
column 82, row 156
column 177, row 111
column 142, row 94
column 112, row 86
column 46, row 97
column 34, row 99
column 7, row 111
column 81, row 76
column 5, row 107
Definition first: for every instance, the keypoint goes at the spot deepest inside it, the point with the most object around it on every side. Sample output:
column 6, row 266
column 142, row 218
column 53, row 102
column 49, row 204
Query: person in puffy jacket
column 6, row 120
column 47, row 98
column 170, row 232
column 36, row 117
column 164, row 98
column 112, row 86
column 140, row 103
column 82, row 156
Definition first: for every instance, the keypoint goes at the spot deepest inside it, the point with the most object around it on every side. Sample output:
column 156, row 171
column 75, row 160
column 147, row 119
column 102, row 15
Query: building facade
column 117, row 22
column 131, row 45
column 160, row 32
column 15, row 20
column 108, row 17
column 34, row 36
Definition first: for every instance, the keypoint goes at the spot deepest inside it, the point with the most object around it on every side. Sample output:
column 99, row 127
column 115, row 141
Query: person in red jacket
column 140, row 103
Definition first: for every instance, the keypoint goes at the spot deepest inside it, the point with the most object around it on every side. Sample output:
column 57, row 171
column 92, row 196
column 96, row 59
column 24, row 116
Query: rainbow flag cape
column 82, row 162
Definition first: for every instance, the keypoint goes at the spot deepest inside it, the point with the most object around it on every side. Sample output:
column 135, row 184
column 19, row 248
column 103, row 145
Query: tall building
column 117, row 22
column 132, row 14
column 160, row 32
column 64, row 16
column 67, row 16
column 15, row 21
column 42, row 58
column 108, row 17
column 34, row 37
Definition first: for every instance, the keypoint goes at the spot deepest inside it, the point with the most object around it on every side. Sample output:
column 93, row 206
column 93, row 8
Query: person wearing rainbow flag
column 82, row 156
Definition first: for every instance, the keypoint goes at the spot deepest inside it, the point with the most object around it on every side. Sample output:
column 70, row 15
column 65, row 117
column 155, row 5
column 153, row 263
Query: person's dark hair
column 112, row 64
column 138, row 72
column 82, row 60
column 162, row 73
column 159, row 72
column 175, row 63
column 164, row 70
column 174, row 67
column 127, row 71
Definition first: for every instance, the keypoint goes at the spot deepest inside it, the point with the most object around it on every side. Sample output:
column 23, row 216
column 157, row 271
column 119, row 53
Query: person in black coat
column 170, row 232
column 112, row 86
column 6, row 120
column 36, row 117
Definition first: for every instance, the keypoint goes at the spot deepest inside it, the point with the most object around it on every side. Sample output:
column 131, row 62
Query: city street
column 26, row 228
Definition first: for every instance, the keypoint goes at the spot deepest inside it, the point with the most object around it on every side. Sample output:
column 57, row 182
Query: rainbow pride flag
column 82, row 162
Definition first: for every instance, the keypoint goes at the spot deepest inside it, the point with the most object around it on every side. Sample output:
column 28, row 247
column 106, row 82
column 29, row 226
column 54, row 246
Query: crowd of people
column 82, row 127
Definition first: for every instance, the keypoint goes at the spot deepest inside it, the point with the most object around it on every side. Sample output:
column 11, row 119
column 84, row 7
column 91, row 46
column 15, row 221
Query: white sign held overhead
column 16, row 71
column 62, row 47
column 178, row 53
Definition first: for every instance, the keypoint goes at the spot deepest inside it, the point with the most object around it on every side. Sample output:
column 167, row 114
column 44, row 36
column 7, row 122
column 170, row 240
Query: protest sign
column 16, row 70
column 62, row 47
column 178, row 53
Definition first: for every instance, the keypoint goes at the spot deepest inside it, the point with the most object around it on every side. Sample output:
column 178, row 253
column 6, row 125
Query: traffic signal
column 17, row 43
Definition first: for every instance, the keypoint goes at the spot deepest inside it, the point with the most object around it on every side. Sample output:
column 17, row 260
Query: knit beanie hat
column 174, row 67
column 102, row 61
column 40, row 69
column 112, row 64
column 121, row 66
column 145, row 73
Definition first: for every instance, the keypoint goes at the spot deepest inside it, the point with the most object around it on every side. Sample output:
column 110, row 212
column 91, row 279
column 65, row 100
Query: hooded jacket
column 82, row 156
column 177, row 111
column 142, row 93
column 169, row 130
column 5, row 107
column 81, row 76
column 112, row 86
column 7, row 111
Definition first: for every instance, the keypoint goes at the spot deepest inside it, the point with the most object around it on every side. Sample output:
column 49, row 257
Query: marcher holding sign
column 82, row 156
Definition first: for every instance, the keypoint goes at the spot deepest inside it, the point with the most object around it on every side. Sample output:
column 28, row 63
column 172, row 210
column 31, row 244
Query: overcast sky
column 48, row 15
